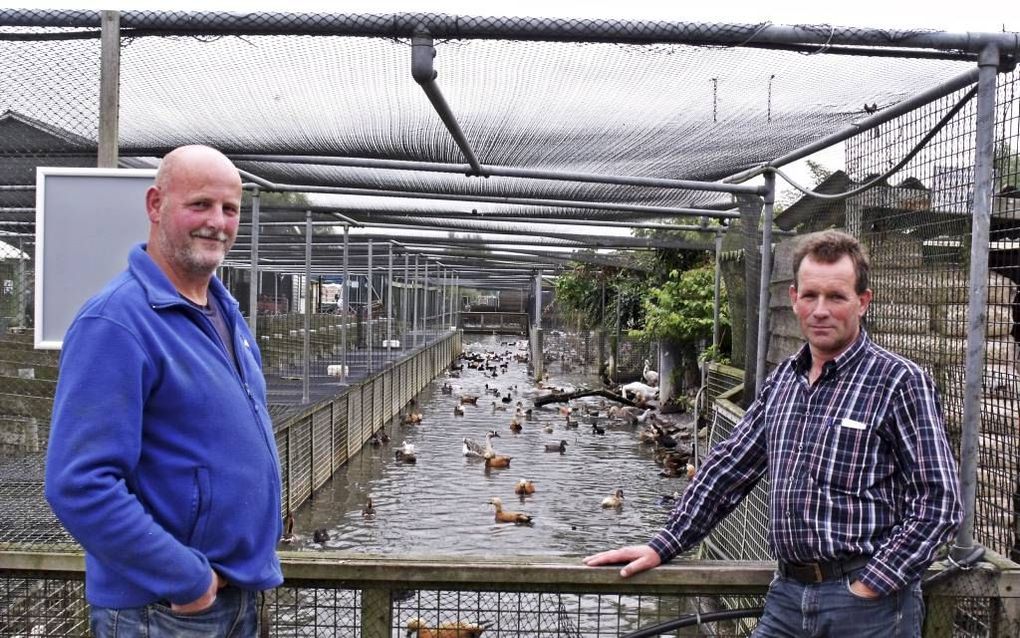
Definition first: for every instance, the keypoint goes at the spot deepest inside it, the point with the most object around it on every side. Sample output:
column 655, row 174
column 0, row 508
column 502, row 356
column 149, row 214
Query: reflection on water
column 441, row 503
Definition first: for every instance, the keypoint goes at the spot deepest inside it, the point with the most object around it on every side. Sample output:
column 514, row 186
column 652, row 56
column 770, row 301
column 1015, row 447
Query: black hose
column 689, row 620
column 955, row 566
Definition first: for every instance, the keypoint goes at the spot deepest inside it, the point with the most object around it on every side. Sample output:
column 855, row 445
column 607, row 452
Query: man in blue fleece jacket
column 162, row 461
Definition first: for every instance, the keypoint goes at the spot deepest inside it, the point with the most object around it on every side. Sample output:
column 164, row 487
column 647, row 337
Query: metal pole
column 414, row 321
column 763, row 283
column 422, row 70
column 345, row 293
column 602, row 320
column 368, row 306
column 501, row 171
column 253, row 289
column 750, row 212
column 716, row 292
column 109, row 89
column 22, row 286
column 453, row 297
column 403, row 299
column 306, row 345
column 389, row 300
column 616, row 334
column 536, row 334
column 442, row 300
column 538, row 299
column 977, row 305
column 425, row 303
column 402, row 25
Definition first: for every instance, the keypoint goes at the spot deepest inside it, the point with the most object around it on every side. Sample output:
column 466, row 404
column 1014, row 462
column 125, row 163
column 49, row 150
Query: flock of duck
column 672, row 444
column 514, row 406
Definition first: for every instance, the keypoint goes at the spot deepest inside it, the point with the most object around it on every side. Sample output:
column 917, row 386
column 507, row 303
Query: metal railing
column 374, row 596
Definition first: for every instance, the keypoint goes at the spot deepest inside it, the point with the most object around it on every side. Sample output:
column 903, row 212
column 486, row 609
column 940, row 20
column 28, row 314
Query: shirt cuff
column 880, row 579
column 665, row 545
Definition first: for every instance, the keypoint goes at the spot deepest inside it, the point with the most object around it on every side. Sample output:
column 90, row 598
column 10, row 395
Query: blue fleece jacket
column 162, row 461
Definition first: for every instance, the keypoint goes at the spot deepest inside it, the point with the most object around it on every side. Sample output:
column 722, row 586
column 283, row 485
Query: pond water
column 441, row 503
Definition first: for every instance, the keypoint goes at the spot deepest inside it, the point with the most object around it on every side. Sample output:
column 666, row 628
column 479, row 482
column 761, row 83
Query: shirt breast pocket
column 842, row 459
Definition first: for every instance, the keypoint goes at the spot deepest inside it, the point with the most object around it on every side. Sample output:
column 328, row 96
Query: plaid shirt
column 858, row 463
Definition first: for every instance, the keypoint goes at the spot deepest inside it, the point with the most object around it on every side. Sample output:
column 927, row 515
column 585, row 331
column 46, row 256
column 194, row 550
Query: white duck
column 651, row 376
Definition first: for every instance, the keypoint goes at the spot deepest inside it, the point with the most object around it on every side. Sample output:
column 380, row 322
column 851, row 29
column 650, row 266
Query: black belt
column 811, row 573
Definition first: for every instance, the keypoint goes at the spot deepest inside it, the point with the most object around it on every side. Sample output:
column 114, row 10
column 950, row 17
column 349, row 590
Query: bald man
column 162, row 461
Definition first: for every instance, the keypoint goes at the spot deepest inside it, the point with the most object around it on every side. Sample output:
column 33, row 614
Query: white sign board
column 86, row 221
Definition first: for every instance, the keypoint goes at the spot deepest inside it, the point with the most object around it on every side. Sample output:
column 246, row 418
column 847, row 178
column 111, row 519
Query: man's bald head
column 194, row 208
column 193, row 157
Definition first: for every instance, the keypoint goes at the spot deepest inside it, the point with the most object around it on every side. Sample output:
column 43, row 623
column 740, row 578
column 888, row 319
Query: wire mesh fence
column 361, row 599
column 916, row 225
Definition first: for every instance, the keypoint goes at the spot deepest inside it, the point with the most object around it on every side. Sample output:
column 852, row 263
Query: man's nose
column 217, row 217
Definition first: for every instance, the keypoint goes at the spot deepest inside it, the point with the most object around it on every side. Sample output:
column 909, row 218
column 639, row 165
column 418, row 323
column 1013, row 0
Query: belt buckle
column 818, row 572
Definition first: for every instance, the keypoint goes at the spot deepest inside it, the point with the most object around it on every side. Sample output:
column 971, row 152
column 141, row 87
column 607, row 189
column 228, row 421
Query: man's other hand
column 639, row 558
column 205, row 601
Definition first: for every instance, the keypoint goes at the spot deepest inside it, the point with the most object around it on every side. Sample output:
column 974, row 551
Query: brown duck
column 524, row 488
column 518, row 518
column 498, row 461
column 449, row 629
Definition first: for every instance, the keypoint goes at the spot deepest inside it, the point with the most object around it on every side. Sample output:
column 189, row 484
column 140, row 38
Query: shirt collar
column 158, row 287
column 802, row 360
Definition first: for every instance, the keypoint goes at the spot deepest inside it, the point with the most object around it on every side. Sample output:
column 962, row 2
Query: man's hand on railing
column 639, row 558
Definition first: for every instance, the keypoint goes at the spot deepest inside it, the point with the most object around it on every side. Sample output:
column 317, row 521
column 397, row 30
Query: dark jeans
column 234, row 614
column 795, row 610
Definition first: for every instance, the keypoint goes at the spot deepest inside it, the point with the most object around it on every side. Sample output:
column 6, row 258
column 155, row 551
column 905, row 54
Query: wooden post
column 109, row 90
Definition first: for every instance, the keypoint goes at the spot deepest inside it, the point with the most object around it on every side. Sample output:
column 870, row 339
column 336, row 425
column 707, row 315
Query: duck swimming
column 474, row 448
column 524, row 488
column 458, row 410
column 560, row 447
column 320, row 535
column 368, row 509
column 406, row 453
column 515, row 426
column 497, row 461
column 613, row 500
column 518, row 518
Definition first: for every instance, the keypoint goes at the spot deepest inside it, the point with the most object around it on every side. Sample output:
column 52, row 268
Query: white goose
column 651, row 376
column 475, row 449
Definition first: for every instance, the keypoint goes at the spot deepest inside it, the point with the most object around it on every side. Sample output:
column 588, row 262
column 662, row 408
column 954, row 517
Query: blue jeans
column 234, row 614
column 795, row 610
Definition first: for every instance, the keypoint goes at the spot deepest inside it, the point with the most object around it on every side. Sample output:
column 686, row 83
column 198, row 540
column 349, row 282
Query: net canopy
column 286, row 93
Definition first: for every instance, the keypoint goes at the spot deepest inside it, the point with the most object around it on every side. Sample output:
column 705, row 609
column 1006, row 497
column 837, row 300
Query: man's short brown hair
column 828, row 247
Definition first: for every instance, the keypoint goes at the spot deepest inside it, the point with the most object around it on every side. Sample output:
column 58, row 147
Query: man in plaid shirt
column 863, row 486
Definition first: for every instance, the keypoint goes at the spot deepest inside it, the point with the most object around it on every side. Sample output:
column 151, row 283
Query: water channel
column 441, row 503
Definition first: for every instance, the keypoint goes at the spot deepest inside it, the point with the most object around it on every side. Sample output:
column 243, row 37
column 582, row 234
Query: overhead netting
column 614, row 108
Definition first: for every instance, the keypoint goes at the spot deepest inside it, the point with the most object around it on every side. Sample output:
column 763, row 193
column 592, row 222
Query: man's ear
column 793, row 295
column 865, row 300
column 153, row 201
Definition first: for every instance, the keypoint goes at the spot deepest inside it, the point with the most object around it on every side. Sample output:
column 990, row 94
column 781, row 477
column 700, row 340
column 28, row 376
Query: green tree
column 682, row 308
